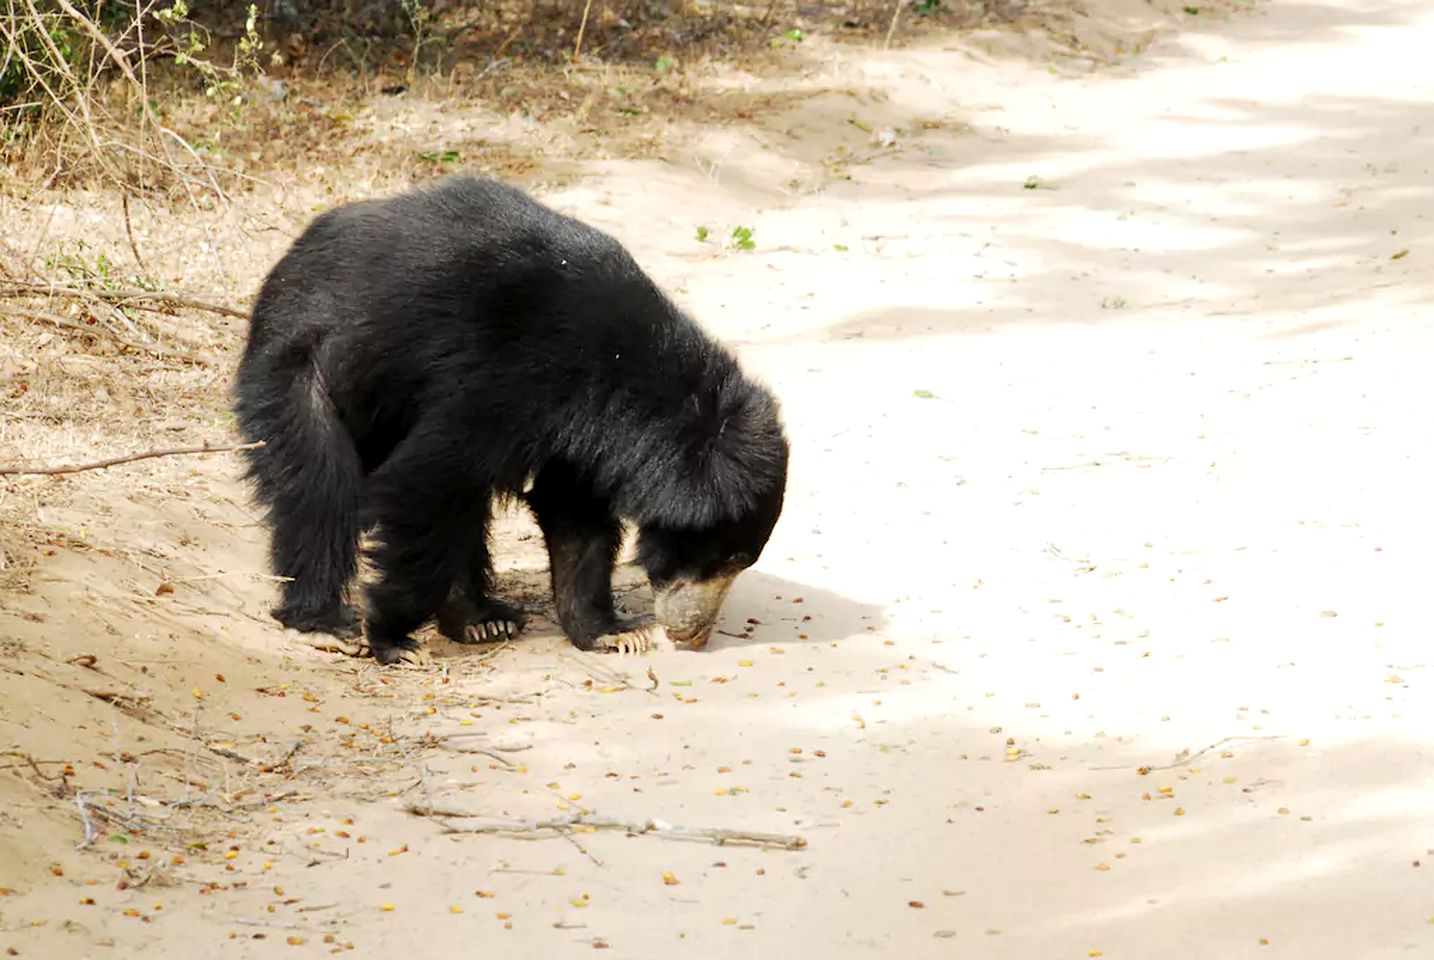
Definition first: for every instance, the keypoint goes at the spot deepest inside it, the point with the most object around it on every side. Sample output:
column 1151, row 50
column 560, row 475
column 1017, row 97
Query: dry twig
column 582, row 29
column 890, row 30
column 124, row 297
column 14, row 471
column 562, row 826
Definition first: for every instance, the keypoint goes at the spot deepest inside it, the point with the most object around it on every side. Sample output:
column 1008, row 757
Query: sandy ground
column 1093, row 625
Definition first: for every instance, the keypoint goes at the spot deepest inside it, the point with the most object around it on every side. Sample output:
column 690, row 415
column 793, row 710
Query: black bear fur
column 411, row 359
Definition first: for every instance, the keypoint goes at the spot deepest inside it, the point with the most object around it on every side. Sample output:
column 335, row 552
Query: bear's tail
column 309, row 478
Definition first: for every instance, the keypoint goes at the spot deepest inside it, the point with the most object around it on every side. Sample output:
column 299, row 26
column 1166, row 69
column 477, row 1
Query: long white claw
column 635, row 641
column 417, row 658
column 328, row 643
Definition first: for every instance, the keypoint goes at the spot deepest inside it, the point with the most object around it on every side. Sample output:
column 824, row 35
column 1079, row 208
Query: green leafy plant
column 742, row 239
column 794, row 35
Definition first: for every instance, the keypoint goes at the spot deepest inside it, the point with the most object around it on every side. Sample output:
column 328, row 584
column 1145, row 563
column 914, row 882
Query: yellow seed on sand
column 1305, row 742
column 1180, row 811
column 197, row 693
column 455, row 908
column 670, row 878
column 387, row 908
column 295, row 941
column 502, row 915
column 729, row 921
column 231, row 854
column 485, row 894
column 578, row 903
column 1082, row 796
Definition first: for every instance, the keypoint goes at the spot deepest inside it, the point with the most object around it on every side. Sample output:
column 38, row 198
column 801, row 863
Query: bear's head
column 719, row 502
column 692, row 568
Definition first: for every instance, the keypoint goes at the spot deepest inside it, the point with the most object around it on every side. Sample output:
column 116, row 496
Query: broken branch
column 27, row 471
column 580, row 822
column 124, row 296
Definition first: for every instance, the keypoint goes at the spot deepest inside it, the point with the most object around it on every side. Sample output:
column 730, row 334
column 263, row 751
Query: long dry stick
column 129, row 232
column 469, row 823
column 124, row 296
column 26, row 471
column 895, row 15
column 582, row 29
column 97, row 330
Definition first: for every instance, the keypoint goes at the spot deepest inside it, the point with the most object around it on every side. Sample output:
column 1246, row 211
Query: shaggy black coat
column 409, row 359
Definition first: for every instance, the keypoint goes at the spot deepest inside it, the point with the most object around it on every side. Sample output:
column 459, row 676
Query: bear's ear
column 724, row 459
column 743, row 454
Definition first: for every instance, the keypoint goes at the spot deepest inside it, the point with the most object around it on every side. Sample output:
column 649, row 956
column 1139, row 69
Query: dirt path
column 1093, row 626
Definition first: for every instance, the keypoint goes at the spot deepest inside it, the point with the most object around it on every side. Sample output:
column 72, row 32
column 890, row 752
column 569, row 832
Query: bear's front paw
column 635, row 639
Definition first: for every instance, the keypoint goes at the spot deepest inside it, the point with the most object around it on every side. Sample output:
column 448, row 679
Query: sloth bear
column 411, row 359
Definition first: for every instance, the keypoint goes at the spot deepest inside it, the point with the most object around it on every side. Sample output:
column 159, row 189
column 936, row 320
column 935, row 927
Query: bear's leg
column 583, row 536
column 422, row 502
column 470, row 614
column 308, row 477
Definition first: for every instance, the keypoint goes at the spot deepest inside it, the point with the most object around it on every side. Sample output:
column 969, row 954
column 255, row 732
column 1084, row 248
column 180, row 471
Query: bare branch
column 97, row 330
column 124, row 297
column 23, row 471
column 464, row 822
